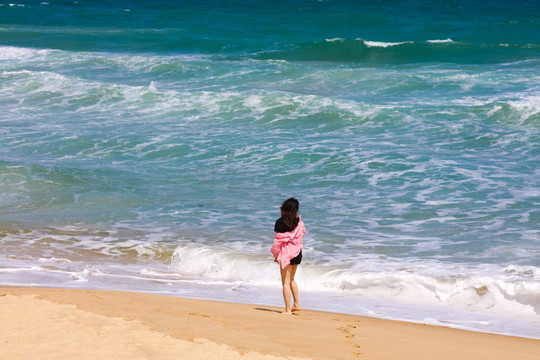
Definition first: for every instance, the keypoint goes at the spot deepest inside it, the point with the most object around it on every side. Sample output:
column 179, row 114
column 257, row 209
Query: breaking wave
column 444, row 51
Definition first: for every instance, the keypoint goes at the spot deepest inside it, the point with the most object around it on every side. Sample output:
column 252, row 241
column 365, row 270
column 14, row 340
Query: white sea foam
column 20, row 53
column 478, row 289
column 364, row 284
column 473, row 290
column 441, row 41
column 384, row 44
column 335, row 40
column 528, row 108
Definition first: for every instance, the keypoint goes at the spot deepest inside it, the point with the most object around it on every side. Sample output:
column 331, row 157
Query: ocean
column 147, row 146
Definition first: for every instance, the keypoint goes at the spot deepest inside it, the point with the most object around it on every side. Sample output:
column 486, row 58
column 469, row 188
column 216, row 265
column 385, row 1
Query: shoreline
column 166, row 325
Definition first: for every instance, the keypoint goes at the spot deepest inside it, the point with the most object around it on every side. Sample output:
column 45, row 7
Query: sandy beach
column 40, row 323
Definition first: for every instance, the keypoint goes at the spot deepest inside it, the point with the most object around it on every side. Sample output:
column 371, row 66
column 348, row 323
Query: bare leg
column 290, row 287
column 286, row 278
column 294, row 289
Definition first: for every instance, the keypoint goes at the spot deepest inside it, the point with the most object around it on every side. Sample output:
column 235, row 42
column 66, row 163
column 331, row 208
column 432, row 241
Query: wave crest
column 360, row 50
column 489, row 289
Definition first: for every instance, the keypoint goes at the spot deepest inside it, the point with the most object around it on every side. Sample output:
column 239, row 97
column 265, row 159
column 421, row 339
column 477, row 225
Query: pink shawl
column 288, row 245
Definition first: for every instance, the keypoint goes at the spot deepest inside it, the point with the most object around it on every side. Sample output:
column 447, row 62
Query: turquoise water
column 148, row 147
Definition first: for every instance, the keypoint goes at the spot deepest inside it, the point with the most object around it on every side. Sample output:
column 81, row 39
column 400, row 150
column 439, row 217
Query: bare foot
column 296, row 308
column 286, row 312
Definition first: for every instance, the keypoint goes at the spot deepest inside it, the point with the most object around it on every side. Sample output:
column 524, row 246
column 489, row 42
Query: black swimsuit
column 280, row 227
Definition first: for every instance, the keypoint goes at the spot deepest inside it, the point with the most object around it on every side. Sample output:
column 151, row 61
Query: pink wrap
column 288, row 245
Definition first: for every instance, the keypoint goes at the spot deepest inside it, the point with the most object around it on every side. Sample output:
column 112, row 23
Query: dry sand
column 87, row 324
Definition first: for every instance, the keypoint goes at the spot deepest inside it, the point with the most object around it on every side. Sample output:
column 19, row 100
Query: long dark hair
column 289, row 210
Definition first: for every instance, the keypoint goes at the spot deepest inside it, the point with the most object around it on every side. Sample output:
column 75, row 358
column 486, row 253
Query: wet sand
column 39, row 323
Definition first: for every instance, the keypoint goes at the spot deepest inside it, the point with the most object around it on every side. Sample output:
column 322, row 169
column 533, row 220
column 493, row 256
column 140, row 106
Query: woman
column 287, row 250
